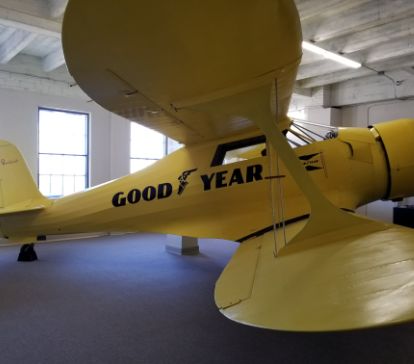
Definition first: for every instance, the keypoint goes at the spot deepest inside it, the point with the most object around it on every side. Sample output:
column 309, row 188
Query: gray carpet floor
column 123, row 299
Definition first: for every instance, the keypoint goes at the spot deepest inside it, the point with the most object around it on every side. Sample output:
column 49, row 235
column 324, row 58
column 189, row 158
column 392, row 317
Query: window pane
column 62, row 132
column 74, row 165
column 56, row 185
column 138, row 164
column 147, row 146
column 68, row 184
column 80, row 183
column 63, row 149
column 50, row 164
column 172, row 145
column 146, row 143
column 44, row 184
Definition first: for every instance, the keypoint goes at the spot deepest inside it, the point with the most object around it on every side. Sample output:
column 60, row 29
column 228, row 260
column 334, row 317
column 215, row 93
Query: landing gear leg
column 27, row 253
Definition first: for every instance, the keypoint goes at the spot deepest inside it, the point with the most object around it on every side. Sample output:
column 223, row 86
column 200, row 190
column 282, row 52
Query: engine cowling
column 398, row 140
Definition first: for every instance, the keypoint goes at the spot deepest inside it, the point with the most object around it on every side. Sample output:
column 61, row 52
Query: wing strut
column 277, row 200
column 324, row 217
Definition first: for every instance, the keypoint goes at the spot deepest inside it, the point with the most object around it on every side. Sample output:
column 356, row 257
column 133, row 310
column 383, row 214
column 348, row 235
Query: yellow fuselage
column 183, row 194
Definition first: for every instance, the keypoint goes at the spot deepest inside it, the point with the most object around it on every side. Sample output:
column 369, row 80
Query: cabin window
column 63, row 152
column 148, row 146
column 239, row 150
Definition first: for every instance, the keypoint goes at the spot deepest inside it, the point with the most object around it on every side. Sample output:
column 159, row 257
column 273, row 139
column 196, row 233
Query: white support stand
column 182, row 245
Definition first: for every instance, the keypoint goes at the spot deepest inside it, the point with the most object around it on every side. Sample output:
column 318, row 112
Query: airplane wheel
column 27, row 253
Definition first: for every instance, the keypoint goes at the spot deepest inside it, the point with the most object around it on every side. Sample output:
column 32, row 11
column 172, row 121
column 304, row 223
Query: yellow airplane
column 218, row 76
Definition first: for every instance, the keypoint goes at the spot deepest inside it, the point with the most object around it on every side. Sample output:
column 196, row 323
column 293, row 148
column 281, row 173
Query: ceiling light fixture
column 330, row 55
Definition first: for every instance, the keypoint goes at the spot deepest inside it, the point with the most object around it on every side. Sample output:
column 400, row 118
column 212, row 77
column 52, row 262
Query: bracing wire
column 281, row 203
column 275, row 250
column 308, row 131
column 272, row 200
column 279, row 199
column 306, row 135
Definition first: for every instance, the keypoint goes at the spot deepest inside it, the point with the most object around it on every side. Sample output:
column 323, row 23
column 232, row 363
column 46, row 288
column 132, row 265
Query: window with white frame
column 63, row 152
column 148, row 146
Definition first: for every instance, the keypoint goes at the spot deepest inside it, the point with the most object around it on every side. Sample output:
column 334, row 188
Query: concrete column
column 326, row 116
column 182, row 245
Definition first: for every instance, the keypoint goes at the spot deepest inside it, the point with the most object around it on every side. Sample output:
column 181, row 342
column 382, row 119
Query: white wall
column 369, row 114
column 325, row 116
column 109, row 134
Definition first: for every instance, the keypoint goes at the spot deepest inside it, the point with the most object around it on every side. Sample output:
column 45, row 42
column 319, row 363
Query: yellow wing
column 341, row 281
column 155, row 61
column 198, row 71
column 195, row 71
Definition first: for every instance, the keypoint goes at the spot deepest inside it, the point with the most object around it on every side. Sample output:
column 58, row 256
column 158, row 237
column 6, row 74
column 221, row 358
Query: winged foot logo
column 183, row 180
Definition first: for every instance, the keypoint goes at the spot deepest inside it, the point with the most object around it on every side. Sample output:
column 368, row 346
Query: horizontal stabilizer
column 345, row 280
column 21, row 207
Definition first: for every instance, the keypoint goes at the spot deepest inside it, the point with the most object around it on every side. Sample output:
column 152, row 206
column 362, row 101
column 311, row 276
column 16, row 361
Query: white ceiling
column 377, row 33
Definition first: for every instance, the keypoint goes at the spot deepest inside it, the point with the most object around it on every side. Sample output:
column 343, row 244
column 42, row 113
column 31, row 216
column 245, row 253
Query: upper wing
column 156, row 62
column 354, row 278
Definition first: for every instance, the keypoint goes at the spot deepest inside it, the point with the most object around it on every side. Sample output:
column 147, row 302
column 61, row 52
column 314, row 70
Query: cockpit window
column 239, row 150
column 299, row 133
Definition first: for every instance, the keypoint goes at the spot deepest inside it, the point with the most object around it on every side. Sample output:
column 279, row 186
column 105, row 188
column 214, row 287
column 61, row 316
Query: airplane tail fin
column 18, row 190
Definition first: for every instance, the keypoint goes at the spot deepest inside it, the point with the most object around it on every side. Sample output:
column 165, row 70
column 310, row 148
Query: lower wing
column 356, row 278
